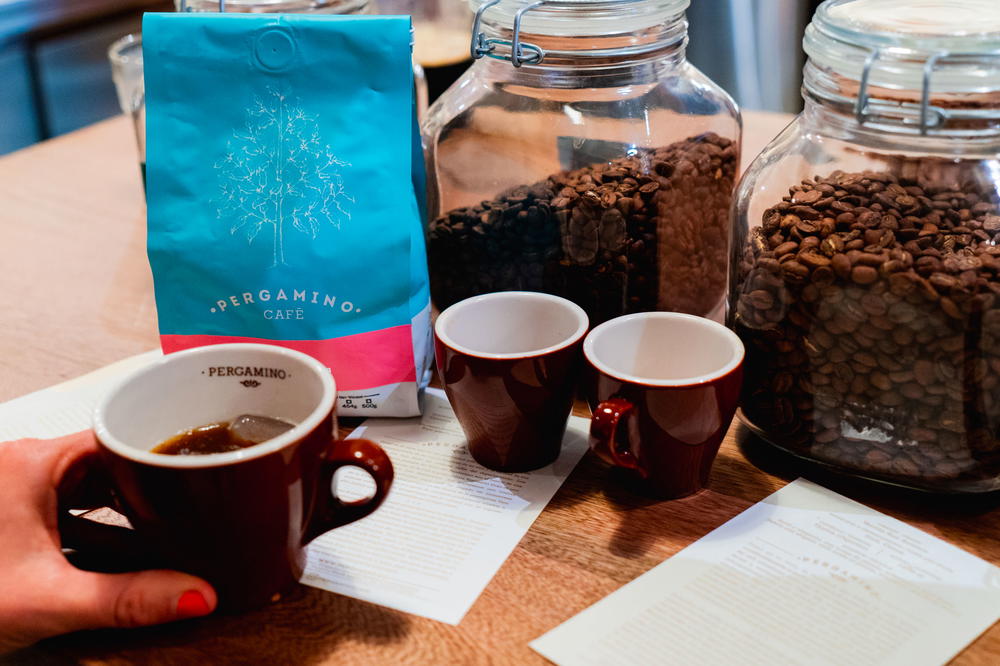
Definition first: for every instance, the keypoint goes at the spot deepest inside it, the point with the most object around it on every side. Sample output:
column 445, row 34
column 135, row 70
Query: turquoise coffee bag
column 283, row 173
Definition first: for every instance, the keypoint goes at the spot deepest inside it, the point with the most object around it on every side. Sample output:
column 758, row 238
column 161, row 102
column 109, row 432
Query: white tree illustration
column 278, row 171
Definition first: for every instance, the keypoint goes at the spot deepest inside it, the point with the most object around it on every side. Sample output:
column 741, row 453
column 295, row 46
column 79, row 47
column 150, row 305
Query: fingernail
column 192, row 604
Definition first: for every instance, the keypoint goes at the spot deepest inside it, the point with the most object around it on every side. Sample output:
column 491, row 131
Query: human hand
column 41, row 593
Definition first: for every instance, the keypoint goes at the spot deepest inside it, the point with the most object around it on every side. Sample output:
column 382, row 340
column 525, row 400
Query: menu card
column 68, row 407
column 434, row 544
column 805, row 576
column 448, row 523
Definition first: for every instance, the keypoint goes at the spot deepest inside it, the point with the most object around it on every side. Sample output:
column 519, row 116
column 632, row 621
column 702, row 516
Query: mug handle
column 334, row 512
column 603, row 434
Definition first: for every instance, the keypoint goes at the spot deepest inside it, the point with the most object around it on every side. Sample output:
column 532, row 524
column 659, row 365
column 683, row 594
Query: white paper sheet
column 430, row 549
column 804, row 577
column 447, row 525
column 65, row 408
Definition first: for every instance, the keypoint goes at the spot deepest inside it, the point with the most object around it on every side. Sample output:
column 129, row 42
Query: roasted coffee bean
column 868, row 259
column 812, row 260
column 880, row 381
column 950, row 308
column 806, row 196
column 888, row 322
column 831, row 245
column 794, row 272
column 786, row 248
column 841, row 265
column 762, row 300
column 809, row 244
column 782, row 382
column 864, row 274
column 645, row 232
column 901, row 284
column 823, row 275
column 902, row 313
column 943, row 282
column 873, row 304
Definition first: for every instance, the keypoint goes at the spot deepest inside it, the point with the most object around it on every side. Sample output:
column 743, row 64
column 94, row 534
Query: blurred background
column 55, row 76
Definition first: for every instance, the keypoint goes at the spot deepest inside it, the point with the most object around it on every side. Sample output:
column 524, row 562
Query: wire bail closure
column 185, row 8
column 927, row 116
column 485, row 46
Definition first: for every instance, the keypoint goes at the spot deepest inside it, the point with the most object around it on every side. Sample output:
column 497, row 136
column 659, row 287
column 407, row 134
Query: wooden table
column 77, row 294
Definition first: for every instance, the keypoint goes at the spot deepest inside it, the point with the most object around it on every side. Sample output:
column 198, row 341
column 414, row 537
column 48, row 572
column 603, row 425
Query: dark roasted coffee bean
column 888, row 321
column 806, row 197
column 943, row 282
column 813, row 260
column 864, row 274
column 794, row 271
column 823, row 275
column 950, row 308
column 923, row 370
column 880, row 381
column 786, row 248
column 627, row 236
column 831, row 245
column 762, row 300
column 841, row 265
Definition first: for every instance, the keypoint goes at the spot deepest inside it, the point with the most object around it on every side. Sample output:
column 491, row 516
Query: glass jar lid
column 274, row 6
column 528, row 31
column 927, row 63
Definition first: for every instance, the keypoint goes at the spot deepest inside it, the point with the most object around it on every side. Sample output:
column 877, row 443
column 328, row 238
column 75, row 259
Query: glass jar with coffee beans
column 583, row 156
column 865, row 276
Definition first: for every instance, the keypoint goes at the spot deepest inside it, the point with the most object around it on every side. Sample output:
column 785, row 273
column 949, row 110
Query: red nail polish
column 192, row 604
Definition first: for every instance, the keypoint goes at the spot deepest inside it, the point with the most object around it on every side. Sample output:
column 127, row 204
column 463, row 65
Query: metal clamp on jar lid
column 925, row 67
column 571, row 28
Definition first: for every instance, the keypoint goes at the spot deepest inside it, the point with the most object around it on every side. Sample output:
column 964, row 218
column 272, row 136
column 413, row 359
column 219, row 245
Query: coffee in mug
column 240, row 518
column 243, row 432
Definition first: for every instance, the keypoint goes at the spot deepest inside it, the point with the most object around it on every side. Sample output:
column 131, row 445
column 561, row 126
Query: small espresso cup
column 663, row 390
column 239, row 519
column 510, row 362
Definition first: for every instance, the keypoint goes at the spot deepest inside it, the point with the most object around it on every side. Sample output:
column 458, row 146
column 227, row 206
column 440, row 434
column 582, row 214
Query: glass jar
column 440, row 38
column 866, row 271
column 584, row 157
column 125, row 55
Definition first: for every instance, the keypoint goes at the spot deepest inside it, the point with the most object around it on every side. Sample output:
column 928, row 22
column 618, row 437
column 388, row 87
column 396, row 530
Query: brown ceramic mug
column 663, row 391
column 509, row 362
column 239, row 519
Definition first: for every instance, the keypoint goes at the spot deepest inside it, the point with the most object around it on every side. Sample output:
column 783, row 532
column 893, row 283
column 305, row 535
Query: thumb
column 137, row 599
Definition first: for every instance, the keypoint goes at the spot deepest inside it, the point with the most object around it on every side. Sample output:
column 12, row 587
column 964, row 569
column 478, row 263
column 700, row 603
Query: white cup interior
column 663, row 348
column 212, row 385
column 511, row 324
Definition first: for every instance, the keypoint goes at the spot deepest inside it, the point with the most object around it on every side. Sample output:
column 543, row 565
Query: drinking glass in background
column 126, row 53
column 442, row 37
column 126, row 71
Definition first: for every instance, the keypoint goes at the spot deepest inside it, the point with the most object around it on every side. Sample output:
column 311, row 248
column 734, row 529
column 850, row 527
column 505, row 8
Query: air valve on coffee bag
column 285, row 186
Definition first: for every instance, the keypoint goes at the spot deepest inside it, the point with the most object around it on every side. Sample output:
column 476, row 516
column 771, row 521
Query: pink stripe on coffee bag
column 358, row 362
